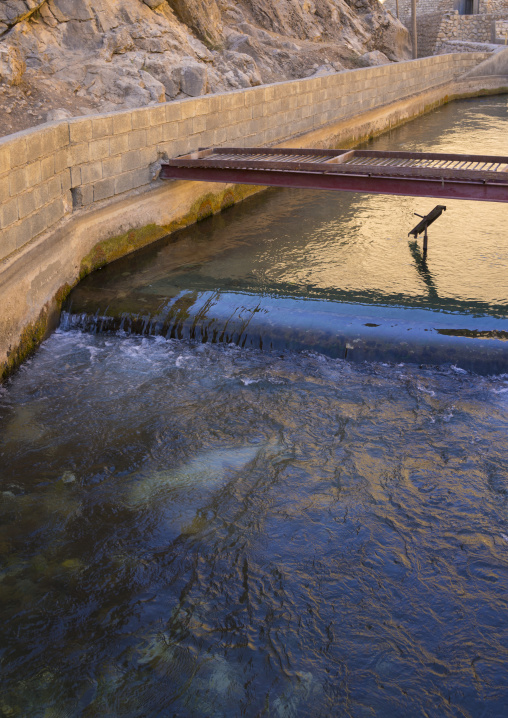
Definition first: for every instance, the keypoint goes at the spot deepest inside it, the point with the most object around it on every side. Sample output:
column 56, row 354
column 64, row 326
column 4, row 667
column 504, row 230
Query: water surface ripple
column 331, row 271
column 201, row 530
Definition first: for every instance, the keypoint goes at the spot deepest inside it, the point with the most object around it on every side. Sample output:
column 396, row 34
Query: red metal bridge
column 418, row 174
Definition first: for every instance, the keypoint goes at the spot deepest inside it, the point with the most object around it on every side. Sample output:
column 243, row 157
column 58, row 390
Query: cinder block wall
column 57, row 170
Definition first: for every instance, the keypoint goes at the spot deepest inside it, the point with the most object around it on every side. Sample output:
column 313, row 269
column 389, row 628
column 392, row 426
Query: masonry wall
column 496, row 6
column 437, row 28
column 49, row 173
column 473, row 28
column 424, row 7
column 428, row 27
column 502, row 30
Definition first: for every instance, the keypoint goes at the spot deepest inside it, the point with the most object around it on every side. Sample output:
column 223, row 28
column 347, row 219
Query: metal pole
column 413, row 23
column 425, row 242
column 397, row 8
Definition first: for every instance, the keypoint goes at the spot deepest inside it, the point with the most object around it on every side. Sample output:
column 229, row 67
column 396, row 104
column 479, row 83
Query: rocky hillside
column 73, row 57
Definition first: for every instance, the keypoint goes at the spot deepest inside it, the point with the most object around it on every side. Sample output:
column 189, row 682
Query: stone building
column 452, row 25
column 463, row 7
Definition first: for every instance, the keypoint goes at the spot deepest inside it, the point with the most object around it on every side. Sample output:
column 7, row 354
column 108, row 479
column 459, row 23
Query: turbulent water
column 203, row 530
column 207, row 531
column 331, row 271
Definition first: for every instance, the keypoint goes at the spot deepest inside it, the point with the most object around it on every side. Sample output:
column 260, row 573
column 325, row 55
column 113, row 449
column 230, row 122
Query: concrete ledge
column 80, row 197
column 488, row 85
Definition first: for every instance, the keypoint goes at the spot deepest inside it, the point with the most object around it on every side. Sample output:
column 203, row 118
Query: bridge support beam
column 412, row 187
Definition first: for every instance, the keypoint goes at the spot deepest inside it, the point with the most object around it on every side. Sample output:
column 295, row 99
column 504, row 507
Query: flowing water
column 192, row 528
column 331, row 271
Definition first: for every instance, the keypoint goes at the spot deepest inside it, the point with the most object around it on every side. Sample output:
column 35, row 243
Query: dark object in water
column 427, row 220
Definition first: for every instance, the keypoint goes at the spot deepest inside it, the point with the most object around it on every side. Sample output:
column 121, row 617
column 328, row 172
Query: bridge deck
column 421, row 174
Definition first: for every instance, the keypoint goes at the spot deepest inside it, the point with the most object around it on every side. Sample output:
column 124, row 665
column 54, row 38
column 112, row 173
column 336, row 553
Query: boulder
column 154, row 4
column 163, row 69
column 58, row 114
column 244, row 68
column 153, row 86
column 192, row 78
column 376, row 57
column 394, row 39
column 189, row 78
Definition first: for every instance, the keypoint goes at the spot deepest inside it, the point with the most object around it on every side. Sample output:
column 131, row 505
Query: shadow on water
column 424, row 272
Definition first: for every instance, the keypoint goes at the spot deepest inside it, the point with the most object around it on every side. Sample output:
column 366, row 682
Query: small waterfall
column 356, row 332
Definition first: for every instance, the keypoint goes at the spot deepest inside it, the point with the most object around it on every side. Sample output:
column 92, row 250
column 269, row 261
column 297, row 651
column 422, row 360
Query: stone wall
column 77, row 194
column 501, row 26
column 448, row 46
column 472, row 28
column 49, row 173
column 497, row 6
column 436, row 28
column 424, row 7
column 428, row 27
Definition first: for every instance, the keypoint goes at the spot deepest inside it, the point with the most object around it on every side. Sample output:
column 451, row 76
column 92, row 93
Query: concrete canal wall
column 77, row 194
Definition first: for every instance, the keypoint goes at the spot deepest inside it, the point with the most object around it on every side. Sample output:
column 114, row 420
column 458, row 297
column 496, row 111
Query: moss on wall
column 30, row 339
column 116, row 247
column 35, row 332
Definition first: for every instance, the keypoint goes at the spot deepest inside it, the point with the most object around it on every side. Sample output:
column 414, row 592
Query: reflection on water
column 266, row 258
column 209, row 531
column 203, row 530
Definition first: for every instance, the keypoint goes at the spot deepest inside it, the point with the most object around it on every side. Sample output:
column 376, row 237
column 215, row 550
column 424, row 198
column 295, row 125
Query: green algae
column 30, row 339
column 116, row 247
column 35, row 332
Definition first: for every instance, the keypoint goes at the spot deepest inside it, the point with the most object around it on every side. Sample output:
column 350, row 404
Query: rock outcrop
column 84, row 56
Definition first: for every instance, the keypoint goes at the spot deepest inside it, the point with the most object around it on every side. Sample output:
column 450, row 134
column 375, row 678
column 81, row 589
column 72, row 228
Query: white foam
column 425, row 390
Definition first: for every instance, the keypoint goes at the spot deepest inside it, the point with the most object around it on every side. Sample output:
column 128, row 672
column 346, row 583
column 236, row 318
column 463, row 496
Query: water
column 329, row 271
column 200, row 529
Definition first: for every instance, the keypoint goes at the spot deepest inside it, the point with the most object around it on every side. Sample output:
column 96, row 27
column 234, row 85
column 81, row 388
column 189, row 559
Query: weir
column 191, row 528
column 77, row 194
column 331, row 272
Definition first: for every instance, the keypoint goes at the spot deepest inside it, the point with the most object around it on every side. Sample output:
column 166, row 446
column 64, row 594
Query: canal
column 260, row 469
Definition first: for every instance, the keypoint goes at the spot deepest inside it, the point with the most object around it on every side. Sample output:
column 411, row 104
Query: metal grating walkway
column 420, row 174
